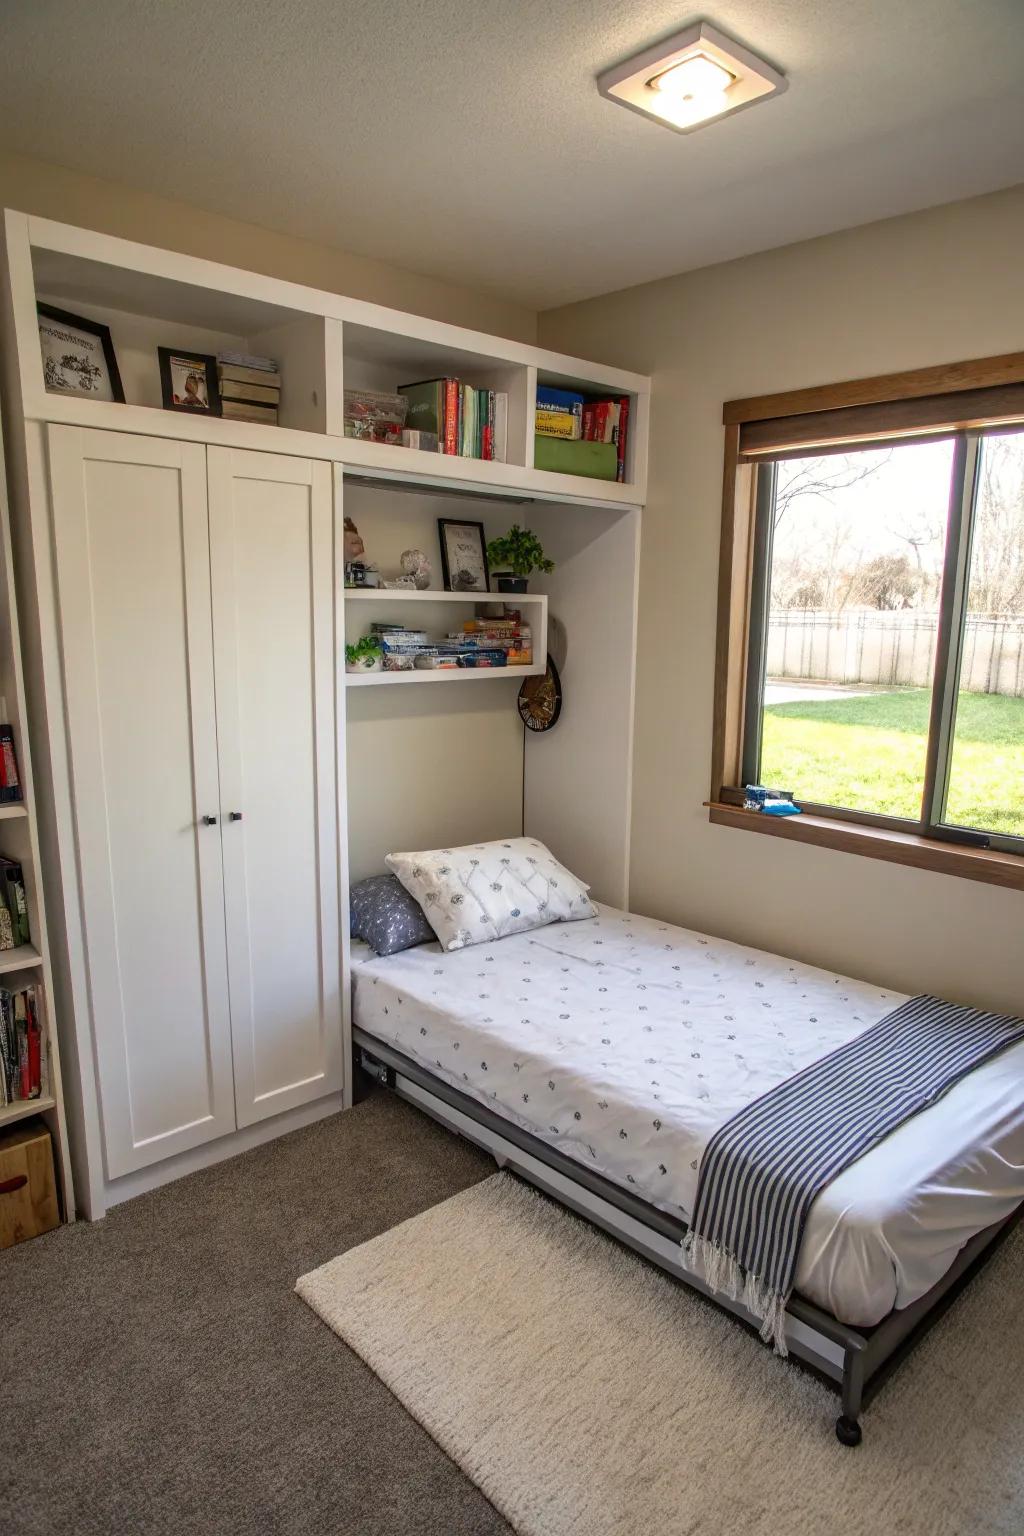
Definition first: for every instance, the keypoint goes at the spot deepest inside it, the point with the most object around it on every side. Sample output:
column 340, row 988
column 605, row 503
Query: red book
column 623, row 423
column 589, row 412
column 451, row 416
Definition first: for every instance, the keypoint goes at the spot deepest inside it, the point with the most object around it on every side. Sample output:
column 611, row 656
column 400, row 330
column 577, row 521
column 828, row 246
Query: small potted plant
column 516, row 554
column 364, row 656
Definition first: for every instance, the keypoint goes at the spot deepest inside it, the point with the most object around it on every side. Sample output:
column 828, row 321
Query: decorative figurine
column 416, row 565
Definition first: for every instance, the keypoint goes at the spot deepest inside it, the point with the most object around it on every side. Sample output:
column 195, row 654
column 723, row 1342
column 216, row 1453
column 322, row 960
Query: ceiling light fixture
column 691, row 78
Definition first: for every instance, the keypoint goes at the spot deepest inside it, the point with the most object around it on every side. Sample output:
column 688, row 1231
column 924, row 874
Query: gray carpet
column 158, row 1374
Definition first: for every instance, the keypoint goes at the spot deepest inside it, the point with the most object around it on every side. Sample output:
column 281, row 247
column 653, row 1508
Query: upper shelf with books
column 141, row 298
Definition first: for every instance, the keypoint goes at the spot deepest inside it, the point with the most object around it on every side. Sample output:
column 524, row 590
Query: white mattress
column 624, row 1042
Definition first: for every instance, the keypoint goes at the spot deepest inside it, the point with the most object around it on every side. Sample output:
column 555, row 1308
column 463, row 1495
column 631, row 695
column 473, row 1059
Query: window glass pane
column 986, row 781
column 856, row 565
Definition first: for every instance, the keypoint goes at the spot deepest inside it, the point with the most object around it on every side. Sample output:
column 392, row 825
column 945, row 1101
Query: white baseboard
column 131, row 1184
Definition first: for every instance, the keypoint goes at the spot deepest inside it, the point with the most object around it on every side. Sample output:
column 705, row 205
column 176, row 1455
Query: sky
column 908, row 493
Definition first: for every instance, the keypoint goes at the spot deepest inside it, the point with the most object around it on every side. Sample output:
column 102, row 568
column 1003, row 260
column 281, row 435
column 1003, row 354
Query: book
column 237, row 389
column 469, row 447
column 500, row 425
column 23, row 1068
column 238, row 373
column 10, row 780
column 597, row 461
column 620, row 438
column 558, row 424
column 600, row 421
column 249, row 410
column 252, row 361
column 559, row 400
column 12, row 894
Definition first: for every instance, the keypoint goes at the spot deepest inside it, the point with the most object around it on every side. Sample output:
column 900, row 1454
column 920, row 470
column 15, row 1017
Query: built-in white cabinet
column 207, row 776
column 272, row 567
column 195, row 592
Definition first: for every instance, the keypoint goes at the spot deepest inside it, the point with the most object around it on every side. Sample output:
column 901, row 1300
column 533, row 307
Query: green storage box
column 598, row 461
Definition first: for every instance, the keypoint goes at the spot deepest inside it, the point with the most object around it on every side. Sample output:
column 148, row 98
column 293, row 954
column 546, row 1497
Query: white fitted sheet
column 624, row 1042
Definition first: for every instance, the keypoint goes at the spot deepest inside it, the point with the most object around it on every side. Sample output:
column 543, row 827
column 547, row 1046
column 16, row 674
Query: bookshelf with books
column 30, row 1080
column 329, row 349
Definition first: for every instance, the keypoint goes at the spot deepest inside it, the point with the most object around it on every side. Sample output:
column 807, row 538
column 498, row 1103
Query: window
column 871, row 626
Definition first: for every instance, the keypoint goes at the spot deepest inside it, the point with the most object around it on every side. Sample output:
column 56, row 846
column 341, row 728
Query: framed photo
column 188, row 382
column 463, row 556
column 78, row 356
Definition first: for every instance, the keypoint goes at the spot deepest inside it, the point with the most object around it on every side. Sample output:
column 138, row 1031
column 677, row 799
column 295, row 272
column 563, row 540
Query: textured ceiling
column 466, row 138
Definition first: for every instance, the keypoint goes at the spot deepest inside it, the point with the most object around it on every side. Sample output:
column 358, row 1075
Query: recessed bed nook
column 620, row 1053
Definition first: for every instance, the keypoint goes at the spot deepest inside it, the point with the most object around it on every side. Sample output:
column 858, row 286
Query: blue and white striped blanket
column 762, row 1170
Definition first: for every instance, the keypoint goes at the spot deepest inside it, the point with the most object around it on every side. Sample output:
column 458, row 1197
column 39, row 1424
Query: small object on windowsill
column 770, row 802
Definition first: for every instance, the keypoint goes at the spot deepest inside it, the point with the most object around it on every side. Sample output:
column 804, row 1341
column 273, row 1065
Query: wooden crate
column 28, row 1191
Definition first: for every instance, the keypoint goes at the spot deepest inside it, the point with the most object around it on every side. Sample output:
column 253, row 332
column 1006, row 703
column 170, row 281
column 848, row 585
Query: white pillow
column 485, row 891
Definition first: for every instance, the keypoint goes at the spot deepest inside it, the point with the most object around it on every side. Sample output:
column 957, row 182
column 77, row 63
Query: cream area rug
column 587, row 1394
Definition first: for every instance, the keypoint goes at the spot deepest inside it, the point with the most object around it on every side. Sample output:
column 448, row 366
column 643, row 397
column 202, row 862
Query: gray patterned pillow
column 384, row 915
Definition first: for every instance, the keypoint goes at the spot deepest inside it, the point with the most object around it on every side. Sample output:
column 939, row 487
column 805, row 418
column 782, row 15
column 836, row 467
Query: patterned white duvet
column 624, row 1042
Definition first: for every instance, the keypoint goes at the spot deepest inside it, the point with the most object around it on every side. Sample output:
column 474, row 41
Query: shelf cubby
column 324, row 343
column 411, row 607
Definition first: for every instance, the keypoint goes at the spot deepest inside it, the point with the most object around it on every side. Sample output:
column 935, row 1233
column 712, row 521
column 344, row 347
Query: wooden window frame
column 926, row 402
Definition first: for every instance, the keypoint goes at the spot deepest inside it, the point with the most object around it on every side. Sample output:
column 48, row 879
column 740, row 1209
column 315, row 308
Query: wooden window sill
column 1006, row 869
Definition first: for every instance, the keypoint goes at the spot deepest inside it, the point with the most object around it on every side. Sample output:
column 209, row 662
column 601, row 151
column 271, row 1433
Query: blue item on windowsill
column 770, row 802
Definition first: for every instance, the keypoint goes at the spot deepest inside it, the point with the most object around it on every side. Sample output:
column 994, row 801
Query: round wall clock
column 540, row 699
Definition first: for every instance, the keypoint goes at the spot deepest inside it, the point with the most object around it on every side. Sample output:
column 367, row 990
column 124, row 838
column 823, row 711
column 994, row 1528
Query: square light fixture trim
column 691, row 79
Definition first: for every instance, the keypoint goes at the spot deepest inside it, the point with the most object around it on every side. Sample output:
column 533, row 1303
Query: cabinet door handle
column 234, row 816
column 209, row 821
column 8, row 1186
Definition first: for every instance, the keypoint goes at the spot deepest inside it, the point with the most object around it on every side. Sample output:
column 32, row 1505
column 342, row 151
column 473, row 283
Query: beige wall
column 928, row 288
column 33, row 186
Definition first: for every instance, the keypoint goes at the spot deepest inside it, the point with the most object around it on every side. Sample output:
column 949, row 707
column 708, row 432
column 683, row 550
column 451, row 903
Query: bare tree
column 821, row 477
column 997, row 555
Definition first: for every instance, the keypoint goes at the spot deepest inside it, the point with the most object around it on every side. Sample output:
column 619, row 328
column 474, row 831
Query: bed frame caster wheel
column 848, row 1431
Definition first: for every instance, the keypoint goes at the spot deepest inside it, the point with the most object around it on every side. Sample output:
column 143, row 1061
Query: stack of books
column 463, row 420
column 23, row 1067
column 496, row 642
column 508, row 635
column 579, row 434
column 250, row 387
column 13, row 906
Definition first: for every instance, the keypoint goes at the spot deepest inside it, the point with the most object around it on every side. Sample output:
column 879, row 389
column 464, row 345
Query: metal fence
column 892, row 649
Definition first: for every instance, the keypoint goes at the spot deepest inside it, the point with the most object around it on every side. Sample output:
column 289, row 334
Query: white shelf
column 433, row 595
column 20, row 1109
column 442, row 675
column 22, row 957
column 326, row 342
column 12, row 809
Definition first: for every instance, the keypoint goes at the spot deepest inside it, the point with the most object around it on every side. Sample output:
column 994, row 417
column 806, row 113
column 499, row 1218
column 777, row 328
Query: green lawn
column 867, row 753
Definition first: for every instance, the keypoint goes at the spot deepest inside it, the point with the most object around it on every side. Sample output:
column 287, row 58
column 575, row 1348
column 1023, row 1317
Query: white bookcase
column 449, row 765
column 27, row 964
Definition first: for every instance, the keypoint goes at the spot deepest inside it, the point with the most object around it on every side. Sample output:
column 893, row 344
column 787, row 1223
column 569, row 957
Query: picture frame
column 188, row 382
column 78, row 356
column 463, row 555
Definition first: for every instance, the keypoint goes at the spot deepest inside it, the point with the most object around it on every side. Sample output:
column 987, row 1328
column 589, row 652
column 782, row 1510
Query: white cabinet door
column 132, row 563
column 272, row 565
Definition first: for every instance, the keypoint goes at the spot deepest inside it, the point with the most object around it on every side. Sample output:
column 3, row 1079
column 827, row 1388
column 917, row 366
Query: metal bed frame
column 855, row 1362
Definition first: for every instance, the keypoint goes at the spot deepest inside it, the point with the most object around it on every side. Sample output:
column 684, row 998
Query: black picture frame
column 454, row 581
column 91, row 328
column 194, row 362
